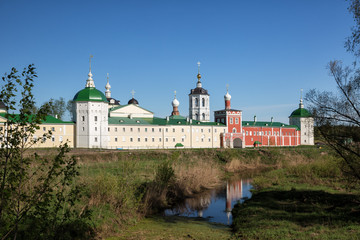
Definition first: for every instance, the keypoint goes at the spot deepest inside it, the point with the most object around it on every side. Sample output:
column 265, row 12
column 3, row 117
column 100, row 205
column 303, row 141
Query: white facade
column 306, row 125
column 158, row 136
column 91, row 124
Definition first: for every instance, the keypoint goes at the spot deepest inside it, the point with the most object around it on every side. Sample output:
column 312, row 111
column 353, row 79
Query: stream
column 215, row 204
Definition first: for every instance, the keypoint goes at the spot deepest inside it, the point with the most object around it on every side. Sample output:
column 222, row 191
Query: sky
column 266, row 51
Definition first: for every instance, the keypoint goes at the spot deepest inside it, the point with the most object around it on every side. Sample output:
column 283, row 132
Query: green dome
column 90, row 94
column 300, row 112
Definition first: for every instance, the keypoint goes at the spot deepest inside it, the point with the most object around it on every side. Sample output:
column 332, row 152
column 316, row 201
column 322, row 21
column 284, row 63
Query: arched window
column 203, row 116
column 203, row 102
column 196, row 116
column 196, row 102
column 234, row 130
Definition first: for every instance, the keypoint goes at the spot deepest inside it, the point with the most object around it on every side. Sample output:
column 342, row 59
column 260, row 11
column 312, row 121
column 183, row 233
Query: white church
column 99, row 121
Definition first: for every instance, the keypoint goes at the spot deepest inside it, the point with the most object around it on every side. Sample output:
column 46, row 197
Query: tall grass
column 259, row 158
column 114, row 196
column 123, row 186
column 196, row 175
column 181, row 177
column 324, row 171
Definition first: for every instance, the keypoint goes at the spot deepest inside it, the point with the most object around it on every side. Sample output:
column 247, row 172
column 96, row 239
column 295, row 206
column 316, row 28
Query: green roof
column 90, row 94
column 173, row 120
column 300, row 112
column 48, row 119
column 51, row 119
column 267, row 124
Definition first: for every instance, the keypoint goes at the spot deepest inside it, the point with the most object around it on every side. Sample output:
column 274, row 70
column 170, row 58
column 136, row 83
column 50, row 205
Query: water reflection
column 215, row 204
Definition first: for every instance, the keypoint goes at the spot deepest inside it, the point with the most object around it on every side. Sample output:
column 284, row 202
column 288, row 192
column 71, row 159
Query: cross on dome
column 198, row 85
column 132, row 93
column 108, row 87
column 91, row 56
column 90, row 81
column 301, row 105
column 227, row 96
column 107, row 84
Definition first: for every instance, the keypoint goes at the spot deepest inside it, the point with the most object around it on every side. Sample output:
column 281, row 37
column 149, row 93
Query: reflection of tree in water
column 199, row 202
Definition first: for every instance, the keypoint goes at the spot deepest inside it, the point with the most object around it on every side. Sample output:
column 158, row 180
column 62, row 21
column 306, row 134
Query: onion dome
column 133, row 101
column 90, row 81
column 107, row 86
column 198, row 84
column 227, row 96
column 175, row 103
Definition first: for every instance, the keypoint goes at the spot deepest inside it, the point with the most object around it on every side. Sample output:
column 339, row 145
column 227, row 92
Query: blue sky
column 265, row 50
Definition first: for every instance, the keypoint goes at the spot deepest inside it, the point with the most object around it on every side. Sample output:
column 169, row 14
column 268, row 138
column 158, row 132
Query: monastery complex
column 100, row 121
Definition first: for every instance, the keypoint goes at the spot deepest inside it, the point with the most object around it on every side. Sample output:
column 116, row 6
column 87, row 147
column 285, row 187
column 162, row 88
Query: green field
column 301, row 193
column 305, row 201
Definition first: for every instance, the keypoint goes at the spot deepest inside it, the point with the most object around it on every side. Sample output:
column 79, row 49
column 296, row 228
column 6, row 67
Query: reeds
column 196, row 175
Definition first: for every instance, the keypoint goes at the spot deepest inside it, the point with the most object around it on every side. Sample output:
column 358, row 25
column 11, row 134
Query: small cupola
column 227, row 98
column 133, row 100
column 175, row 103
column 108, row 87
column 198, row 84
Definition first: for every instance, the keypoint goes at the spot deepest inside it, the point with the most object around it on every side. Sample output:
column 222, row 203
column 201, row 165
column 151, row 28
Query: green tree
column 69, row 108
column 37, row 195
column 57, row 107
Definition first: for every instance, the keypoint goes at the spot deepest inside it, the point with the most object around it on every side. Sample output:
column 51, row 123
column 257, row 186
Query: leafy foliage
column 57, row 107
column 37, row 195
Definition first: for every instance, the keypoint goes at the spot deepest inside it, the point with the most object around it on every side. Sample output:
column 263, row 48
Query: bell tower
column 199, row 101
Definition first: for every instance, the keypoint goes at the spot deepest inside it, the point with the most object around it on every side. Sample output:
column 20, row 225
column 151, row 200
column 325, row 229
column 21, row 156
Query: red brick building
column 255, row 133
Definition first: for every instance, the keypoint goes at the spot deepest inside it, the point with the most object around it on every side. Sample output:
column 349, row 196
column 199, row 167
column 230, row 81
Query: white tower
column 302, row 118
column 199, row 101
column 91, row 116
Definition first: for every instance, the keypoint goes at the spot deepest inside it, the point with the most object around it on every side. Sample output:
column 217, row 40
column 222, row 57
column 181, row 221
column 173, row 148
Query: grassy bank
column 310, row 200
column 174, row 227
column 122, row 187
